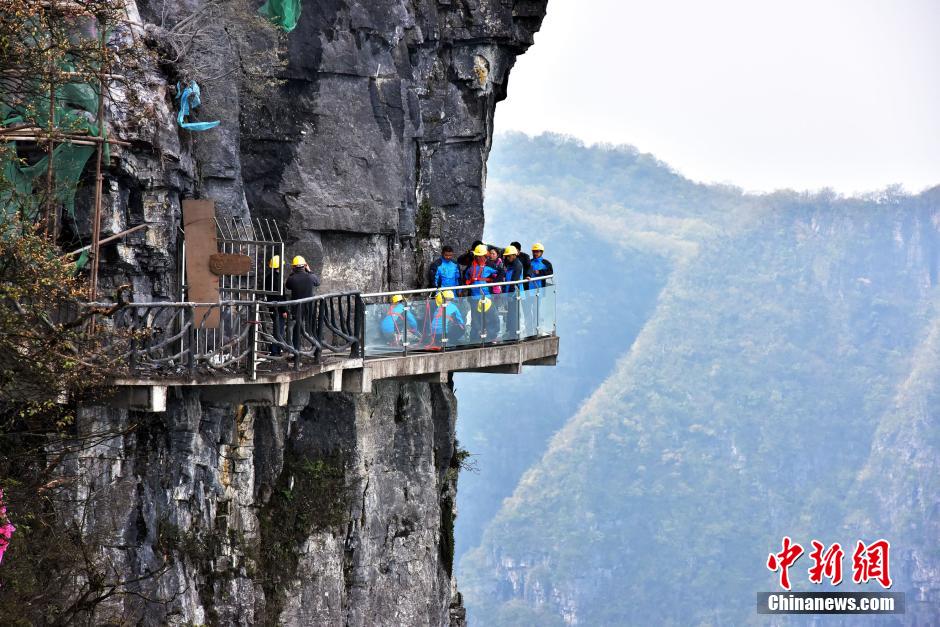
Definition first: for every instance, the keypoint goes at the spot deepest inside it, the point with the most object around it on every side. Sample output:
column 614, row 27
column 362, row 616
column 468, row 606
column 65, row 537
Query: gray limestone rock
column 365, row 133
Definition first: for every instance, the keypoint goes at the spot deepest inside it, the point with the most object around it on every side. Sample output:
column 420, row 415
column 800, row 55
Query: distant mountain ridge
column 776, row 375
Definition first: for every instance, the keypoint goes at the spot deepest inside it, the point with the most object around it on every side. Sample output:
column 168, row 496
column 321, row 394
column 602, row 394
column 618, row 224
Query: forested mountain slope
column 784, row 383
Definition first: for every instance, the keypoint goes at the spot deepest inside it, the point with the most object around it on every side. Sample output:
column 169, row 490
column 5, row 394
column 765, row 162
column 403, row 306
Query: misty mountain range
column 735, row 368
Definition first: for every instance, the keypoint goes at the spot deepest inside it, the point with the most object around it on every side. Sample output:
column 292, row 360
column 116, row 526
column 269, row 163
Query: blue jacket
column 453, row 316
column 540, row 267
column 392, row 322
column 447, row 274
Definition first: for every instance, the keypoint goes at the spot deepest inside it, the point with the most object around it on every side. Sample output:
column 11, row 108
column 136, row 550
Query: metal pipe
column 108, row 240
column 99, row 182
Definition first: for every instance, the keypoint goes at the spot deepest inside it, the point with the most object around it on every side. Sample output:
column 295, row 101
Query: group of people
column 301, row 283
column 475, row 274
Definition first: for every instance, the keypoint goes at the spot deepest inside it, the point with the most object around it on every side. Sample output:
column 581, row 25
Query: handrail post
column 191, row 340
column 253, row 322
column 359, row 330
column 444, row 326
column 481, row 303
column 518, row 295
column 404, row 342
column 318, row 312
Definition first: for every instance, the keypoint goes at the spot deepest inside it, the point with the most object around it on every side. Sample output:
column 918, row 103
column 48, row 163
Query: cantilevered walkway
column 260, row 351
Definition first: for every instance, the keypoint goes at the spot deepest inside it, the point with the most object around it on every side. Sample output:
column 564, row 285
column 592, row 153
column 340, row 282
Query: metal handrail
column 228, row 303
column 434, row 290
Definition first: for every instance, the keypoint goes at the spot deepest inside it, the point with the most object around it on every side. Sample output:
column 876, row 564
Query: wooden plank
column 200, row 233
column 229, row 264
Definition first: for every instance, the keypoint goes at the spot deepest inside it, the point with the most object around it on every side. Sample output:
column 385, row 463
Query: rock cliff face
column 365, row 131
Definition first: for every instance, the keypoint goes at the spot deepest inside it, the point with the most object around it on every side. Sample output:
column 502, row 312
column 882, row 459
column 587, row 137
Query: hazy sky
column 762, row 94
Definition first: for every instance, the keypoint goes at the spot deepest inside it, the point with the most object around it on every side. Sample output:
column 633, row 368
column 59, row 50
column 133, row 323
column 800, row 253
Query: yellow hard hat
column 484, row 304
column 538, row 246
column 439, row 299
column 397, row 298
column 510, row 250
column 275, row 262
column 480, row 250
column 298, row 261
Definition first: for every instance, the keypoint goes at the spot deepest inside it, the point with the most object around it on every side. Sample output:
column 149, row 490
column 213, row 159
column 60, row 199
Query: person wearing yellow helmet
column 272, row 284
column 539, row 266
column 302, row 284
column 481, row 272
column 484, row 321
column 397, row 320
column 446, row 316
column 515, row 271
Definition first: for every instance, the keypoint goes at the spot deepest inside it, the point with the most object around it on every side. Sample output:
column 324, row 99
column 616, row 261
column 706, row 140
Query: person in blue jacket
column 445, row 272
column 538, row 266
column 447, row 313
column 395, row 321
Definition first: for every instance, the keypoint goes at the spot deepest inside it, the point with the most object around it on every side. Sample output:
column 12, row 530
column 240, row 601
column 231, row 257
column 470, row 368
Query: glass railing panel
column 546, row 320
column 390, row 328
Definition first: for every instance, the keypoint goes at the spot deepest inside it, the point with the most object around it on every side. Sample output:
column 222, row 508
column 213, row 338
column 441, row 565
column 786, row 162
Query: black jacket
column 526, row 262
column 513, row 272
column 302, row 284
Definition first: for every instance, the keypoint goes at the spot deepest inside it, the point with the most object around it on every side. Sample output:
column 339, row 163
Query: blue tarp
column 189, row 100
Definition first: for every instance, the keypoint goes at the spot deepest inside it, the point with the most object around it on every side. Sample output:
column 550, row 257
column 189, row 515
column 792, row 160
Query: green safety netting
column 284, row 13
column 76, row 105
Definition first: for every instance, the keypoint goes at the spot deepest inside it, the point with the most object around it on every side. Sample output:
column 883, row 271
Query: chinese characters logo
column 869, row 562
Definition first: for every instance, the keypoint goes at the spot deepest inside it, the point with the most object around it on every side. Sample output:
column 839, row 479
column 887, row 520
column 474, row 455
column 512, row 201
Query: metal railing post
column 253, row 342
column 191, row 340
column 444, row 326
column 406, row 310
column 359, row 329
column 483, row 317
column 538, row 312
column 518, row 294
column 318, row 311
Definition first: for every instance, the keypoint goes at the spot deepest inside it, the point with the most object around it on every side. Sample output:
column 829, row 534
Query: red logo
column 783, row 560
column 828, row 564
column 869, row 562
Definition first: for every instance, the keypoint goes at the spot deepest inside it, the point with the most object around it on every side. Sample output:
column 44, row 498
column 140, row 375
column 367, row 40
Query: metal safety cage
column 260, row 239
column 224, row 334
column 476, row 316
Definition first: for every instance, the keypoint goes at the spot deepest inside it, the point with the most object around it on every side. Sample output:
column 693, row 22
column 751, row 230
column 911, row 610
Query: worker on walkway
column 484, row 323
column 514, row 293
column 444, row 272
column 539, row 266
column 466, row 259
column 446, row 315
column 495, row 260
column 481, row 272
column 524, row 258
column 302, row 283
column 396, row 320
column 278, row 314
